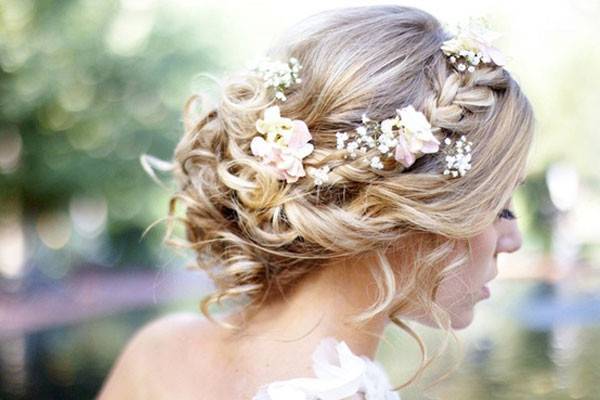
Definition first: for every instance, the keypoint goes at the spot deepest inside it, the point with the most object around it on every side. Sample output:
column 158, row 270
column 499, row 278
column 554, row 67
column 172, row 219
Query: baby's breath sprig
column 279, row 75
column 402, row 137
column 458, row 156
column 320, row 175
column 363, row 138
column 472, row 46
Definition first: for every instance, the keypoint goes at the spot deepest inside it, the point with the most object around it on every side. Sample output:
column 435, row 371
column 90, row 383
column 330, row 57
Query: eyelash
column 507, row 214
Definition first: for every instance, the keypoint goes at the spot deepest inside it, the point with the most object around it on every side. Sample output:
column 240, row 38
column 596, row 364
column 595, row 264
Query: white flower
column 388, row 125
column 341, row 139
column 320, row 175
column 361, row 130
column 376, row 163
column 280, row 96
column 383, row 148
column 472, row 43
column 351, row 147
column 273, row 125
column 338, row 374
column 458, row 160
column 416, row 136
column 343, row 136
column 387, row 140
column 279, row 75
column 415, row 122
column 404, row 137
column 285, row 146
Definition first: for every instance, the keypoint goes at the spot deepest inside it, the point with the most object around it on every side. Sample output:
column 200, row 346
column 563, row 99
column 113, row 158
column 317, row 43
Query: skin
column 462, row 290
column 189, row 352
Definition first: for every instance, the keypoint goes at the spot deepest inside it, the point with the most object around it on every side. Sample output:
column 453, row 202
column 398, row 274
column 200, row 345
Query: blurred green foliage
column 89, row 86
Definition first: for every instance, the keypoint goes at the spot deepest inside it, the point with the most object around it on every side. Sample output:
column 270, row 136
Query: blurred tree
column 87, row 87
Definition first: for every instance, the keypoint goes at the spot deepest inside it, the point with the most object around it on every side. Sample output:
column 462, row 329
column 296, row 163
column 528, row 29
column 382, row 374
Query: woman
column 361, row 177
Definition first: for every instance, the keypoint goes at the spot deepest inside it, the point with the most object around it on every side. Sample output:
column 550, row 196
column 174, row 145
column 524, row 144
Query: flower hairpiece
column 458, row 158
column 404, row 136
column 471, row 47
column 279, row 75
column 282, row 144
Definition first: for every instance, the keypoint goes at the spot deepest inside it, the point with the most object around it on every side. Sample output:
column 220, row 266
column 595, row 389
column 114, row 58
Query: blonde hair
column 257, row 237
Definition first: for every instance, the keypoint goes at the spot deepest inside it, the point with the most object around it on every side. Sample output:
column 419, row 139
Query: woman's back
column 184, row 356
column 177, row 357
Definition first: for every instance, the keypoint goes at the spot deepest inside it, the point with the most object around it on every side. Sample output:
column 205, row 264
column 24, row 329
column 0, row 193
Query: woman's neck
column 319, row 307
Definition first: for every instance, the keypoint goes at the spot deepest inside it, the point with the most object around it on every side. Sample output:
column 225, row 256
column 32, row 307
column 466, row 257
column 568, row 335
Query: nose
column 510, row 241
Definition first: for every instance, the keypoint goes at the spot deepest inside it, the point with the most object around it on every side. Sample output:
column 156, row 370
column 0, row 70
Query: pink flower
column 495, row 55
column 286, row 144
column 415, row 136
column 403, row 153
column 473, row 38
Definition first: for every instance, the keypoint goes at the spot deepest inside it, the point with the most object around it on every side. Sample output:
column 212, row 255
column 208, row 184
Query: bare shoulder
column 164, row 350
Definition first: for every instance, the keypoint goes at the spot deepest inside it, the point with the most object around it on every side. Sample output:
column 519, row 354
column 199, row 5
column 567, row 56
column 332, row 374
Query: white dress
column 340, row 375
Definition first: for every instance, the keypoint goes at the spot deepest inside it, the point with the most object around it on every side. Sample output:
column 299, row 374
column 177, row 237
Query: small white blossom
column 280, row 96
column 472, row 44
column 341, row 139
column 320, row 175
column 361, row 130
column 388, row 125
column 404, row 138
column 343, row 136
column 387, row 141
column 279, row 75
column 458, row 160
column 352, row 147
column 376, row 163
